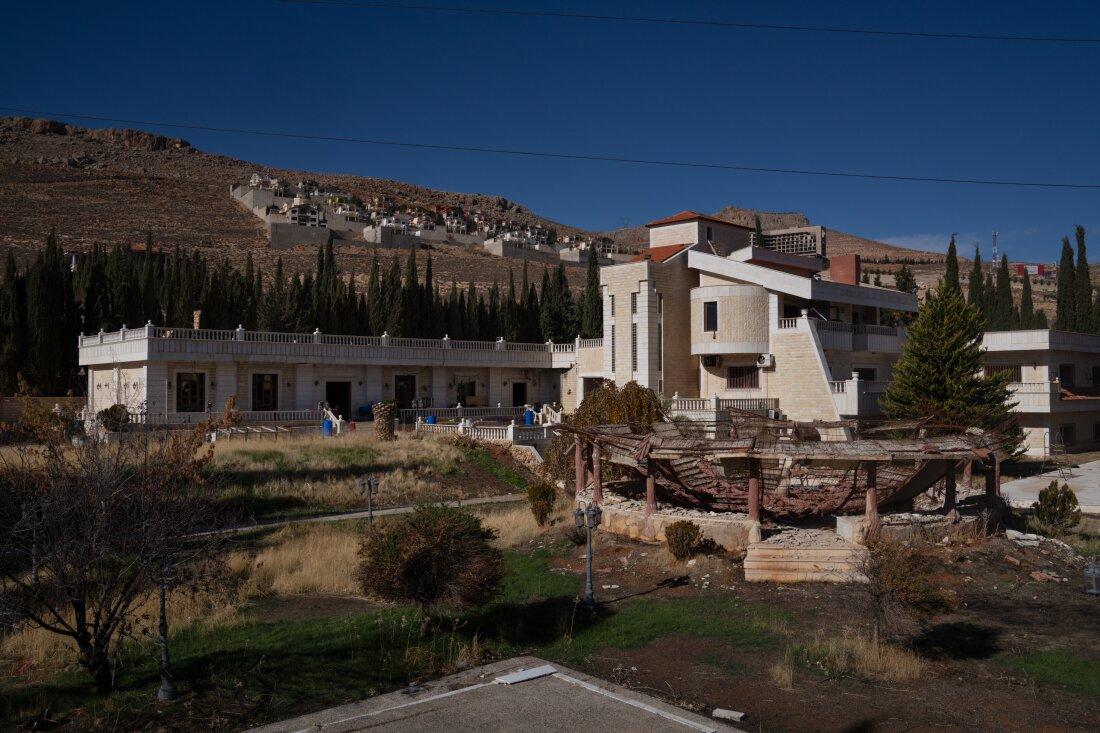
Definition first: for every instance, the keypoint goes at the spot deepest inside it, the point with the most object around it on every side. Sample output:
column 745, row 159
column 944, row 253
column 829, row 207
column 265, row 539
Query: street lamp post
column 588, row 518
column 368, row 486
column 167, row 689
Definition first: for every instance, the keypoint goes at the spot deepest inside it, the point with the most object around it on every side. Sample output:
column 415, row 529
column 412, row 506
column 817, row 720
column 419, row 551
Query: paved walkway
column 479, row 501
column 1084, row 480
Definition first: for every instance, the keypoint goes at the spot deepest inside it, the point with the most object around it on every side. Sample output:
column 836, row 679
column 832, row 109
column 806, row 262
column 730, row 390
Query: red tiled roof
column 692, row 216
column 658, row 254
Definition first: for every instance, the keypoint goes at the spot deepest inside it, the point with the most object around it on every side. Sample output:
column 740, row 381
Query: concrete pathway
column 1083, row 479
column 520, row 694
column 390, row 511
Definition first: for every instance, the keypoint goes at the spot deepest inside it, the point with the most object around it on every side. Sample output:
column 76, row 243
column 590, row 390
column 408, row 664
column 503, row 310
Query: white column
column 373, row 384
column 156, row 380
column 608, row 321
column 495, row 392
column 439, row 386
column 225, row 384
column 646, row 319
column 304, row 390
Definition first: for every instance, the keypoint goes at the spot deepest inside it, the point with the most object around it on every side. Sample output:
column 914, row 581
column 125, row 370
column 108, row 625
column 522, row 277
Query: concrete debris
column 1012, row 560
column 723, row 714
column 1045, row 576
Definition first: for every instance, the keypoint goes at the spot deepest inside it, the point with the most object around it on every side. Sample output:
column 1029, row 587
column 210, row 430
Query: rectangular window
column 1096, row 376
column 742, row 377
column 867, row 373
column 1067, row 434
column 633, row 347
column 611, row 305
column 710, row 316
column 1014, row 371
column 660, row 347
column 633, row 302
column 1096, row 432
column 661, row 308
column 190, row 392
column 1066, row 374
column 265, row 392
column 710, row 234
column 612, row 350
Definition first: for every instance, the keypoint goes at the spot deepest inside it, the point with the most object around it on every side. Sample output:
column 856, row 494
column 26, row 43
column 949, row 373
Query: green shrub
column 114, row 418
column 541, row 496
column 683, row 538
column 1057, row 507
column 436, row 557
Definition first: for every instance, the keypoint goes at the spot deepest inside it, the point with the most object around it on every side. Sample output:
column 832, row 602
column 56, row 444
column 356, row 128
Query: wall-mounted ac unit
column 711, row 361
column 765, row 360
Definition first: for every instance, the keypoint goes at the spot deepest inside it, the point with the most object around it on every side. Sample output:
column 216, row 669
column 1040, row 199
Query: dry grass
column 856, row 655
column 782, row 672
column 516, row 525
column 300, row 560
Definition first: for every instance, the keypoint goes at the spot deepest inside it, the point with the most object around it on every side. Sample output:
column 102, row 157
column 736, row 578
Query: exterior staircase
column 805, row 555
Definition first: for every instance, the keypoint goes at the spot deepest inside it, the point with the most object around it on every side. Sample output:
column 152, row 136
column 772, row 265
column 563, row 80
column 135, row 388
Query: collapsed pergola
column 784, row 470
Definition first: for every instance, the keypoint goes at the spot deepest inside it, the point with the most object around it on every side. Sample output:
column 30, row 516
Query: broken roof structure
column 781, row 469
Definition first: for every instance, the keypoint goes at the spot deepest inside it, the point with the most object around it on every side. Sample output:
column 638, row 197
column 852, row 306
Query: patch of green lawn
column 485, row 461
column 1061, row 667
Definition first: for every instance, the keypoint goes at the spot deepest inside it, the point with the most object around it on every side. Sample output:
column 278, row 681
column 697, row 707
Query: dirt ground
column 1002, row 613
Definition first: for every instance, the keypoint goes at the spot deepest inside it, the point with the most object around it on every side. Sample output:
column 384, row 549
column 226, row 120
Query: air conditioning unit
column 765, row 360
column 711, row 361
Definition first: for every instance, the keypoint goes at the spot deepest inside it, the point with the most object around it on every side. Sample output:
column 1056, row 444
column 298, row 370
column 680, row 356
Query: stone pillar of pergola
column 754, row 499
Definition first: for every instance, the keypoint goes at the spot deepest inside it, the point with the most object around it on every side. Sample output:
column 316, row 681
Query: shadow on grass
column 959, row 640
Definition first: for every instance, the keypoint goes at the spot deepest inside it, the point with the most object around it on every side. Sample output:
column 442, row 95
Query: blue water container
column 326, row 428
column 528, row 417
column 430, row 419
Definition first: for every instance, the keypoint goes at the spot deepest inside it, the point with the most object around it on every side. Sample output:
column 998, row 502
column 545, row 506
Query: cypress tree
column 376, row 322
column 591, row 307
column 939, row 373
column 1082, row 286
column 1027, row 305
column 904, row 280
column 976, row 291
column 1002, row 319
column 1065, row 312
column 951, row 269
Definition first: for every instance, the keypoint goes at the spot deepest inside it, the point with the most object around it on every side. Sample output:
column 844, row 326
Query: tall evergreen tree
column 1065, row 315
column 1027, row 305
column 939, row 374
column 591, row 306
column 904, row 280
column 976, row 295
column 1002, row 316
column 1082, row 286
column 951, row 267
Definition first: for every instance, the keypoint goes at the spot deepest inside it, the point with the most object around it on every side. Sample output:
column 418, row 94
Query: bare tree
column 88, row 529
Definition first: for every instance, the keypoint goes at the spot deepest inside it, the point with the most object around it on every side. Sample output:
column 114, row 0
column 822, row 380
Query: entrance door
column 404, row 390
column 519, row 394
column 338, row 397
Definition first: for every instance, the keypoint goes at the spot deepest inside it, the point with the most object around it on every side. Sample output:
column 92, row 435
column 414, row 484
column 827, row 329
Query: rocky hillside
column 112, row 186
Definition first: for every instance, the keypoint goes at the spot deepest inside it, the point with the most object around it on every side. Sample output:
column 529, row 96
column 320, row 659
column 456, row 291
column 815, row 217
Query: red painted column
column 754, row 490
column 650, row 489
column 949, row 489
column 993, row 478
column 597, row 476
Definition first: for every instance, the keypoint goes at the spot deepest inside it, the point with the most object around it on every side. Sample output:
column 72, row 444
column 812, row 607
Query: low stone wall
column 731, row 532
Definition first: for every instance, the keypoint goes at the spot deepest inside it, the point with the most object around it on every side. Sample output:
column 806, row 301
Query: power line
column 697, row 22
column 560, row 156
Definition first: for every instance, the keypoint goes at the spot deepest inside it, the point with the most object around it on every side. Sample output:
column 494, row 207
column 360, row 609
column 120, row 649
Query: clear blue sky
column 906, row 106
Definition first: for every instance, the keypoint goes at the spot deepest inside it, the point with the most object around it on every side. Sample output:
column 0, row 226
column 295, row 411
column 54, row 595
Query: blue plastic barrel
column 430, row 419
column 326, row 428
column 528, row 417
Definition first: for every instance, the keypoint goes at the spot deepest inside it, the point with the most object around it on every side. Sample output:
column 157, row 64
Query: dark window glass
column 1014, row 371
column 1066, row 374
column 710, row 316
column 190, row 392
column 265, row 392
column 742, row 377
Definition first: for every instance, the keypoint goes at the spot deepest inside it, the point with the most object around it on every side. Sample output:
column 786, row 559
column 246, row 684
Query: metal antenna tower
column 993, row 262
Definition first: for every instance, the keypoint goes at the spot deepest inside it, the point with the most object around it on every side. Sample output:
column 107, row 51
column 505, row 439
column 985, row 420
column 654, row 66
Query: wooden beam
column 650, row 490
column 949, row 488
column 993, row 478
column 578, row 460
column 873, row 524
column 597, row 475
column 754, row 490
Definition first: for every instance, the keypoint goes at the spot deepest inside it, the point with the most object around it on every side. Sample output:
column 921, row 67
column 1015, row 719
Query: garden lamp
column 588, row 518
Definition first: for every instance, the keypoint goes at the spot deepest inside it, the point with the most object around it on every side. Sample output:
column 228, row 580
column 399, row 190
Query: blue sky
column 906, row 106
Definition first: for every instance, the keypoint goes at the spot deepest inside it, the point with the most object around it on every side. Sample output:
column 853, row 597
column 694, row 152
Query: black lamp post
column 167, row 689
column 588, row 519
column 368, row 486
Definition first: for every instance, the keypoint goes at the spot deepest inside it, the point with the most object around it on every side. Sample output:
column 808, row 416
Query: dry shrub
column 852, row 655
column 608, row 405
column 683, row 537
column 541, row 496
column 899, row 586
column 436, row 557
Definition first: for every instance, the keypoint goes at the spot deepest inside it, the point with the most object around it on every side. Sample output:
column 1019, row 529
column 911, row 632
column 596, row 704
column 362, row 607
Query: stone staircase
column 804, row 555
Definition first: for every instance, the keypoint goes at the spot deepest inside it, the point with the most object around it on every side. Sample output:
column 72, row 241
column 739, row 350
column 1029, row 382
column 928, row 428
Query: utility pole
column 167, row 689
column 588, row 518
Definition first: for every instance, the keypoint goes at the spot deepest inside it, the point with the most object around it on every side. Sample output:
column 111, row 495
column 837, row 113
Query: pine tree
column 1082, row 286
column 1065, row 313
column 865, row 278
column 939, row 374
column 904, row 280
column 951, row 269
column 976, row 295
